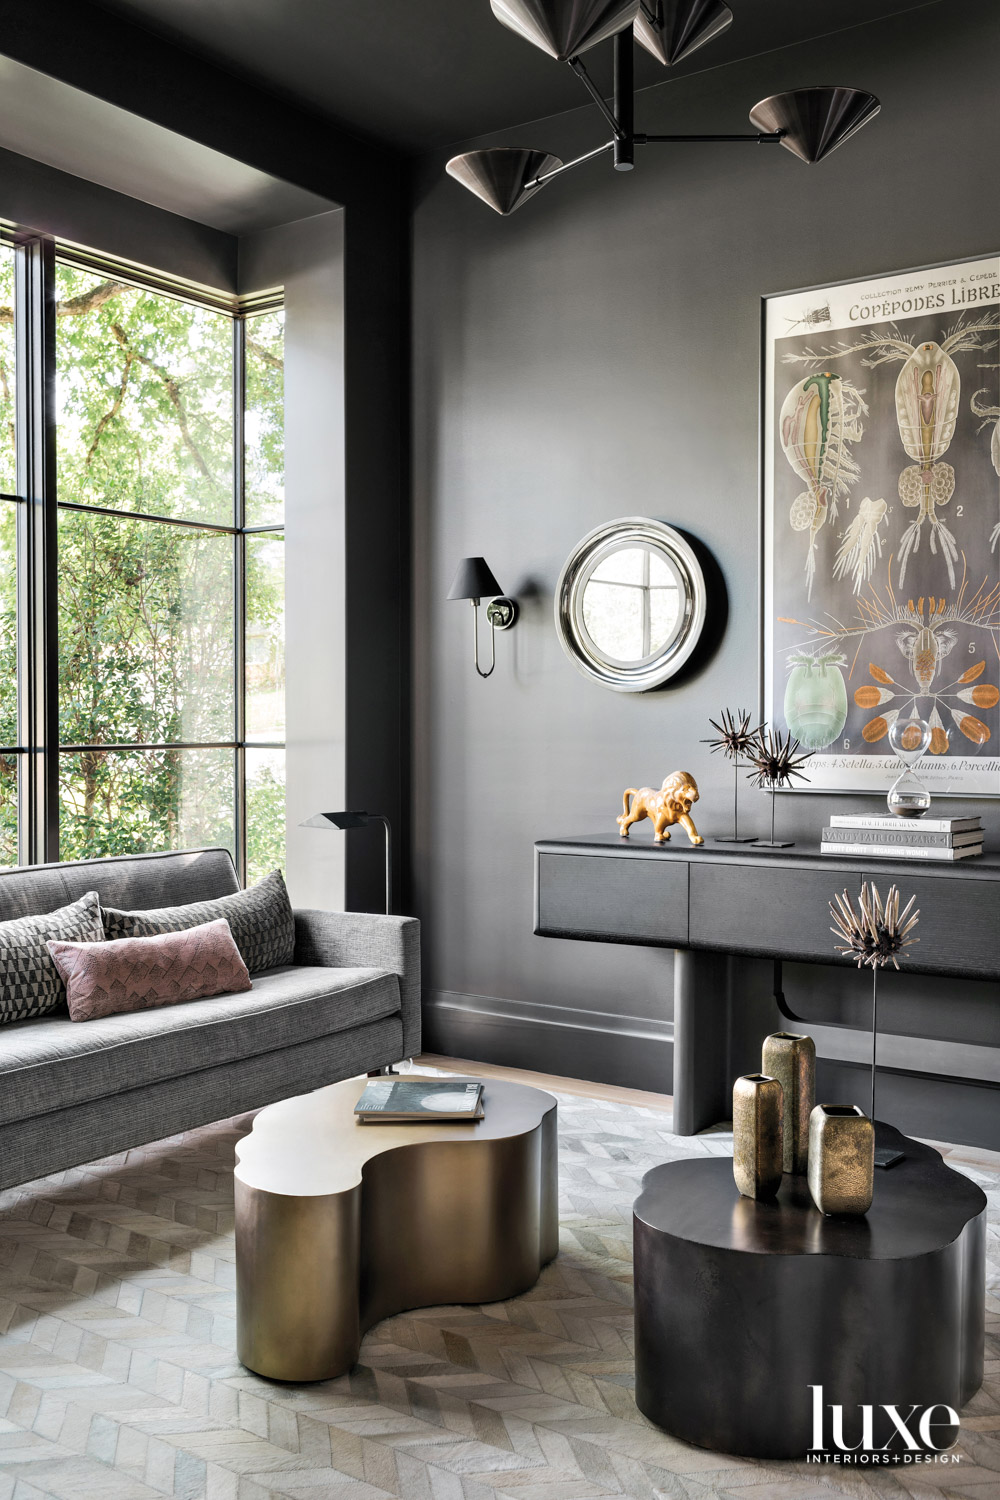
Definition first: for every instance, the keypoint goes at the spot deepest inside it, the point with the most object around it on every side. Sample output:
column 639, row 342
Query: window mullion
column 239, row 592
column 38, row 703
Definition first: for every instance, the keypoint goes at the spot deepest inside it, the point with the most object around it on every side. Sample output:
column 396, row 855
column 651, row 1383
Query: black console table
column 713, row 901
column 742, row 1307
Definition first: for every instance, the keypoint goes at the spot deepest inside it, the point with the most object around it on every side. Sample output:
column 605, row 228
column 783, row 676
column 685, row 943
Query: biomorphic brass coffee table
column 339, row 1225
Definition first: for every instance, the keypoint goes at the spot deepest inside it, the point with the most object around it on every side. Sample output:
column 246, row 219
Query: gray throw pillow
column 30, row 983
column 260, row 920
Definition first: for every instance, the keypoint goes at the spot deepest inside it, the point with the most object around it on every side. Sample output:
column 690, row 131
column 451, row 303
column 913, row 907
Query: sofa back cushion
column 141, row 973
column 132, row 880
column 260, row 919
column 30, row 982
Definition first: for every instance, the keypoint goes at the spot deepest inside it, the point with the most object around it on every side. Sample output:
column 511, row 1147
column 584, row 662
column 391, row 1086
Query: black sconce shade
column 562, row 28
column 815, row 121
column 473, row 580
column 500, row 177
column 682, row 26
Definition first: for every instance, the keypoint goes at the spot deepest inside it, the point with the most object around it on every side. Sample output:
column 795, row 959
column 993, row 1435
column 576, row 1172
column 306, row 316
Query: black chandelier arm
column 762, row 138
column 597, row 96
column 651, row 12
column 577, row 161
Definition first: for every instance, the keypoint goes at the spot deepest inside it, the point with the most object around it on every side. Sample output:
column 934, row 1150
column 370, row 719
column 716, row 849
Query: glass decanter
column 910, row 740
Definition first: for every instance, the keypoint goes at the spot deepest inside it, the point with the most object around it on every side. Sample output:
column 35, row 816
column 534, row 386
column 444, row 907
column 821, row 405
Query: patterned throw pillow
column 108, row 979
column 260, row 919
column 30, row 983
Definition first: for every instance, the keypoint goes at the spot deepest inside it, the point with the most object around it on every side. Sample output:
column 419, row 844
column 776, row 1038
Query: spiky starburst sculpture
column 775, row 759
column 877, row 933
column 736, row 740
column 874, row 936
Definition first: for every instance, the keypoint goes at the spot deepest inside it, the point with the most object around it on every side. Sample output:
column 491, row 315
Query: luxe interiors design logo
column 889, row 1434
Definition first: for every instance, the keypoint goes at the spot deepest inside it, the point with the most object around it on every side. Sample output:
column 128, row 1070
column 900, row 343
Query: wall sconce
column 474, row 581
column 346, row 820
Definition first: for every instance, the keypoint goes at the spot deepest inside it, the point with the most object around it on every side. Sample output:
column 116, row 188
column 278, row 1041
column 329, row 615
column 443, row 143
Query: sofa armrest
column 367, row 940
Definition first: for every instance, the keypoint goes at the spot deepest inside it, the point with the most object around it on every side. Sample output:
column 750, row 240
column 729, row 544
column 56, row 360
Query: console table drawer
column 612, row 900
column 785, row 912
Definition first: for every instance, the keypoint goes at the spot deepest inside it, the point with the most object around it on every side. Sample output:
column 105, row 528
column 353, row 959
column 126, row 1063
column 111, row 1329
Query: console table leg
column 723, row 1009
column 701, row 1029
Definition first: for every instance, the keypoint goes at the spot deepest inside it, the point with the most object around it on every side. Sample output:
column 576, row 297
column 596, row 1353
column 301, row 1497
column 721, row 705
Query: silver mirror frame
column 640, row 531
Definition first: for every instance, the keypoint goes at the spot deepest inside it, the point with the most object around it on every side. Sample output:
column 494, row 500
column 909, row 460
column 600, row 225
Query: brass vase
column 791, row 1059
column 757, row 1153
column 841, row 1159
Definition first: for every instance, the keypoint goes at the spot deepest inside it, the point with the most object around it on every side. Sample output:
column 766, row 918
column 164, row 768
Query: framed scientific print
column 881, row 524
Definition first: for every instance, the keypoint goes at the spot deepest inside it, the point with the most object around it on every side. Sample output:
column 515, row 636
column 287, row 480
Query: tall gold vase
column 757, row 1153
column 791, row 1059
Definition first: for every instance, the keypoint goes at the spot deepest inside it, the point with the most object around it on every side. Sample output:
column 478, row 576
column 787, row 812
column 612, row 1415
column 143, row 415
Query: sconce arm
column 475, row 641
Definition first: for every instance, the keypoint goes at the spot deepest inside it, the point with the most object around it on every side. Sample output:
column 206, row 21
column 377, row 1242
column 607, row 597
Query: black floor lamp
column 346, row 820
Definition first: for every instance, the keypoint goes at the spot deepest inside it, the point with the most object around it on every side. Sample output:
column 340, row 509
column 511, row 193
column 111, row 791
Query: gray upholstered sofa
column 74, row 1091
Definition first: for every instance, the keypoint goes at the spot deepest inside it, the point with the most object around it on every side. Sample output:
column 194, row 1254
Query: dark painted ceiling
column 417, row 76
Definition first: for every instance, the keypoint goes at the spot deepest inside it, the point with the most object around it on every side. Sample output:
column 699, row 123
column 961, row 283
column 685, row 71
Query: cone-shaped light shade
column 473, row 580
column 562, row 28
column 817, row 120
column 499, row 176
column 683, row 27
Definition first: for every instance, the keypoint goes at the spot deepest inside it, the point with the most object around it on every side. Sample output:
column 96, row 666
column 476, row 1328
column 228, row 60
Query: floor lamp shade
column 562, row 28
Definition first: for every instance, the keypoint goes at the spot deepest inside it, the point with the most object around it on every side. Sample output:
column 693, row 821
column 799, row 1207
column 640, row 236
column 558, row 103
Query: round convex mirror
column 630, row 604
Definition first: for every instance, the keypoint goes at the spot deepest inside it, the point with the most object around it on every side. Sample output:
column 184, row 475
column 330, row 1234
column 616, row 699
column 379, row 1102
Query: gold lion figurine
column 671, row 804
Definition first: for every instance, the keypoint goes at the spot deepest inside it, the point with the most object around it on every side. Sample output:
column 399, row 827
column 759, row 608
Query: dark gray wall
column 595, row 355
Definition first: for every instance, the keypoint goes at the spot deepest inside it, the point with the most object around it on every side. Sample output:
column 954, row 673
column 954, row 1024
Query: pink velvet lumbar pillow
column 107, row 979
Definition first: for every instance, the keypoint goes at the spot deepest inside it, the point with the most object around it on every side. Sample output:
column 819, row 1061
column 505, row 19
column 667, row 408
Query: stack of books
column 423, row 1101
column 903, row 838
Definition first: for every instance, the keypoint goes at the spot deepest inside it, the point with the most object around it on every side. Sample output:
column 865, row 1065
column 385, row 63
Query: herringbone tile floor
column 118, row 1376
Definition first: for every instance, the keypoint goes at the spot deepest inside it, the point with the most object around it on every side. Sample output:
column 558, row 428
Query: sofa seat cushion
column 51, row 1063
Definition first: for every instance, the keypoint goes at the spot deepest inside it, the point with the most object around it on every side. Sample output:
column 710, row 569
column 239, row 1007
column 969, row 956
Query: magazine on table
column 420, row 1100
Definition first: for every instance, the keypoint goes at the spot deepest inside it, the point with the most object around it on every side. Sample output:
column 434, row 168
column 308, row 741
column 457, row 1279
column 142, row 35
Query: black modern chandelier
column 811, row 122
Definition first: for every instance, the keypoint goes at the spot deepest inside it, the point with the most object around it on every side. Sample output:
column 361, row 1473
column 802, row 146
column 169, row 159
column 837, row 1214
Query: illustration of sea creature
column 815, row 706
column 819, row 417
column 928, row 389
column 813, row 317
column 861, row 547
column 925, row 632
column 983, row 695
column 989, row 414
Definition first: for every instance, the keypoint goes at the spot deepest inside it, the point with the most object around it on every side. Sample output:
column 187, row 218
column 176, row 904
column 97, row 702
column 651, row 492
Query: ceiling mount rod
column 762, row 138
column 625, row 101
column 596, row 95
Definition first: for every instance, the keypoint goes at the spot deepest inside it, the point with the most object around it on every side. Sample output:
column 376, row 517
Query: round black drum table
column 741, row 1307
